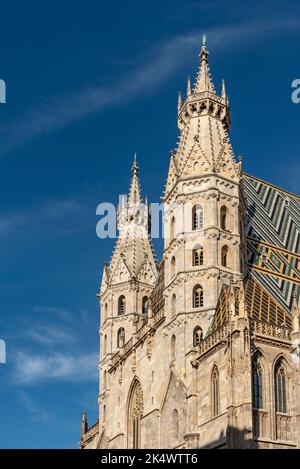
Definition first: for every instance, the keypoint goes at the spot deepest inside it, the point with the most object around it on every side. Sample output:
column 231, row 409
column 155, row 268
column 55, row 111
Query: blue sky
column 87, row 86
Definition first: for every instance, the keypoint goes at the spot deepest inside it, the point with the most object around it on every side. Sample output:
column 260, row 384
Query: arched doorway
column 135, row 413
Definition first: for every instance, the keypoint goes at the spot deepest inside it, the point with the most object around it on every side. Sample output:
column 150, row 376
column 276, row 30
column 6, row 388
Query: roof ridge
column 271, row 185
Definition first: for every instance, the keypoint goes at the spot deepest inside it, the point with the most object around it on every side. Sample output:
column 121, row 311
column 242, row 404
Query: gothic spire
column 223, row 89
column 84, row 424
column 189, row 89
column 134, row 196
column 133, row 249
column 204, row 82
column 179, row 101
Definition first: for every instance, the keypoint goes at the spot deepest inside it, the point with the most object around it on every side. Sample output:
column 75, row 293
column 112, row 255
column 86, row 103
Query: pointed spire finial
column 134, row 165
column 223, row 89
column 179, row 100
column 204, row 82
column 296, row 313
column 84, row 423
column 295, row 305
column 134, row 196
column 189, row 89
column 204, row 52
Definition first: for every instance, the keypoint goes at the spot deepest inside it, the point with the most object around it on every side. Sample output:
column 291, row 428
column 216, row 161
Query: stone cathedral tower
column 203, row 215
column 204, row 349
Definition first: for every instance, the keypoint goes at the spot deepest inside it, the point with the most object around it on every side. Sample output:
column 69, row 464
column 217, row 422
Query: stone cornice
column 174, row 193
column 210, row 232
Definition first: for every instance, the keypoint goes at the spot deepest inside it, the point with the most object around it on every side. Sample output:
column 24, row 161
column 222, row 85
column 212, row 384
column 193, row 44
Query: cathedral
column 202, row 350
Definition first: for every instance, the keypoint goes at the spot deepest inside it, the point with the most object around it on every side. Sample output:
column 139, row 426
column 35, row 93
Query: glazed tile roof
column 273, row 239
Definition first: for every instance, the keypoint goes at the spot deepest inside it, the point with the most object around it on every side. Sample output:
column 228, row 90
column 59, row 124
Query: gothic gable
column 173, row 403
column 172, row 175
column 147, row 274
column 105, row 280
column 121, row 272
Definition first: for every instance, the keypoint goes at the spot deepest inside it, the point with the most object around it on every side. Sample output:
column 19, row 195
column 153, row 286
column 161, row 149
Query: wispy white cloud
column 40, row 216
column 34, row 368
column 42, row 416
column 51, row 335
column 11, row 222
column 52, row 311
column 36, row 412
column 155, row 68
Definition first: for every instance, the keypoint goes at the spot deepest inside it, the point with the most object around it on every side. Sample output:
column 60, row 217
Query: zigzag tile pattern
column 273, row 238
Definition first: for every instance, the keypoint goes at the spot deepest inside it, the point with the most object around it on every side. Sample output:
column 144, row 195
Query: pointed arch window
column 197, row 217
column 105, row 345
column 121, row 305
column 121, row 337
column 173, row 304
column 197, row 336
column 224, row 256
column 145, row 307
column 215, row 391
column 104, row 380
column 175, row 425
column 135, row 414
column 280, row 388
column 105, row 311
column 173, row 347
column 197, row 256
column 258, row 383
column 198, row 297
column 172, row 228
column 173, row 266
column 223, row 218
column 196, row 166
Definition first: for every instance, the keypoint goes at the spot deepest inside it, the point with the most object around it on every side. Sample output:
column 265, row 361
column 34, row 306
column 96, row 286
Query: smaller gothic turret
column 129, row 278
column 84, row 424
column 127, row 282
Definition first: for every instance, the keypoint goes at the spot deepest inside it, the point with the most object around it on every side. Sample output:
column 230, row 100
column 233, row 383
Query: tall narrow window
column 105, row 345
column 135, row 414
column 224, row 256
column 104, row 380
column 175, row 425
column 215, row 391
column 197, row 296
column 173, row 347
column 145, row 307
column 257, row 384
column 173, row 304
column 172, row 228
column 280, row 388
column 223, row 216
column 105, row 311
column 197, row 217
column 197, row 336
column 121, row 305
column 121, row 337
column 198, row 256
column 173, row 266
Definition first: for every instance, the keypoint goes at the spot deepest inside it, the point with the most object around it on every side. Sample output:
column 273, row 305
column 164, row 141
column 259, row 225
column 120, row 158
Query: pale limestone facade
column 186, row 360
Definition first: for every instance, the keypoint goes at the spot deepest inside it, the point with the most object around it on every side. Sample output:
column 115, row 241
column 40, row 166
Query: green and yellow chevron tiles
column 273, row 238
